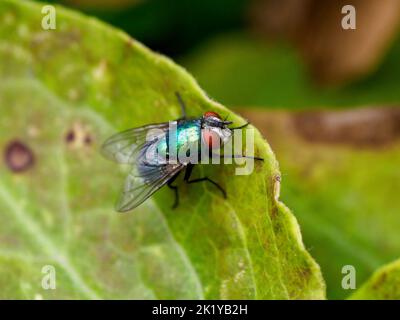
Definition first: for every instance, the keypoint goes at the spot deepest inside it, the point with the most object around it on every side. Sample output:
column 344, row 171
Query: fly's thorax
column 188, row 135
column 181, row 136
column 182, row 139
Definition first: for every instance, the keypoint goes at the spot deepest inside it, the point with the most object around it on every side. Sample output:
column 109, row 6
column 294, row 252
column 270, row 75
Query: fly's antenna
column 225, row 122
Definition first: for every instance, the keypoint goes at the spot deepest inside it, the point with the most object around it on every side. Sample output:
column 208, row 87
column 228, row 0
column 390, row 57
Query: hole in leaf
column 18, row 157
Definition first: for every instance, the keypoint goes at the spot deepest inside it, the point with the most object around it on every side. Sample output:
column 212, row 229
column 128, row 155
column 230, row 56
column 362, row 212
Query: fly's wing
column 143, row 181
column 125, row 147
column 133, row 146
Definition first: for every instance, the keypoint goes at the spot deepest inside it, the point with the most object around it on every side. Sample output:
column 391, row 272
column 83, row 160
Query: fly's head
column 215, row 132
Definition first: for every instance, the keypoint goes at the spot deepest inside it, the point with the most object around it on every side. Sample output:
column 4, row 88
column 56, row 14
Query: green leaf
column 343, row 185
column 64, row 91
column 383, row 285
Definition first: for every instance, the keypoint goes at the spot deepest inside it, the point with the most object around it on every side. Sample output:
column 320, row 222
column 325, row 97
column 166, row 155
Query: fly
column 148, row 150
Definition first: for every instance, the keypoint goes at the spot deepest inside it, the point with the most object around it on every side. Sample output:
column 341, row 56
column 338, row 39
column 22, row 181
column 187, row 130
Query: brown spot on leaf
column 70, row 136
column 273, row 209
column 18, row 157
column 88, row 140
column 79, row 136
column 380, row 281
column 358, row 127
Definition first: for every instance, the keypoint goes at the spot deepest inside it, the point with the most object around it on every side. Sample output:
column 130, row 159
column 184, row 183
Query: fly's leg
column 236, row 156
column 175, row 188
column 182, row 104
column 239, row 155
column 233, row 156
column 207, row 179
column 188, row 173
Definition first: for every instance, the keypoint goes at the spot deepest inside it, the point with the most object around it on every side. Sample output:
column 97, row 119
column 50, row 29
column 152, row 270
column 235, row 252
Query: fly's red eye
column 211, row 114
column 211, row 139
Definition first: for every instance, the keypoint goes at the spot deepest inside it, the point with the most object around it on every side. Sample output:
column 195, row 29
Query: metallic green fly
column 151, row 151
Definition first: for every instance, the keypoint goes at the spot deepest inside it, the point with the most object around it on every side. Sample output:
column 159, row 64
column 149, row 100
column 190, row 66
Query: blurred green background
column 270, row 60
column 269, row 53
